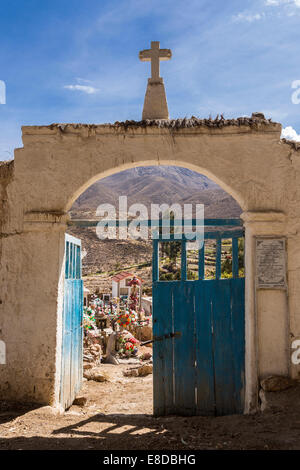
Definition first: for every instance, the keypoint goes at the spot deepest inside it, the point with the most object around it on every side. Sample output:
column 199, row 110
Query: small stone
column 146, row 356
column 88, row 358
column 145, row 370
column 98, row 377
column 87, row 365
column 96, row 374
column 258, row 116
column 80, row 401
column 276, row 383
column 131, row 372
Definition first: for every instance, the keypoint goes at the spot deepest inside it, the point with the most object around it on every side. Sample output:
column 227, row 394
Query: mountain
column 157, row 185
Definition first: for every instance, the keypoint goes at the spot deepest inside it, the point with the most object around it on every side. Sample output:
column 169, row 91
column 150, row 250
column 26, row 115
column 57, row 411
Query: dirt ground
column 118, row 416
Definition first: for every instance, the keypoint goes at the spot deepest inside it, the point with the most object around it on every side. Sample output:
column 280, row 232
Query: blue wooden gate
column 72, row 339
column 199, row 333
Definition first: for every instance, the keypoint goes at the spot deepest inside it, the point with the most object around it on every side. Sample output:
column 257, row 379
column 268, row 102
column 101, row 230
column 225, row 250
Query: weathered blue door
column 72, row 339
column 199, row 331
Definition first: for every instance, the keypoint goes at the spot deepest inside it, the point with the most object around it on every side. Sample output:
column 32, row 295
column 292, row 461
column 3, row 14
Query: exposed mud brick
column 145, row 370
column 276, row 383
column 96, row 374
column 80, row 401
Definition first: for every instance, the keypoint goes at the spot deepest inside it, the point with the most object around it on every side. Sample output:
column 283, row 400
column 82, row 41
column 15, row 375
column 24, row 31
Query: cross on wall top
column 155, row 54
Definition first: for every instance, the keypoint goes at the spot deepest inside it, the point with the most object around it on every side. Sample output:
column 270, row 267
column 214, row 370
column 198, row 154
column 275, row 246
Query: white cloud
column 84, row 88
column 82, row 80
column 289, row 7
column 289, row 133
column 249, row 17
column 276, row 3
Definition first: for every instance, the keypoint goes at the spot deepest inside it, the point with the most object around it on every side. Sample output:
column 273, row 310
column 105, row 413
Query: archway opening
column 117, row 309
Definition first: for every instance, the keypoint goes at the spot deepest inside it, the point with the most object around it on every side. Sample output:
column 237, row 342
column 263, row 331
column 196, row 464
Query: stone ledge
column 256, row 122
column 268, row 224
column 264, row 217
column 39, row 221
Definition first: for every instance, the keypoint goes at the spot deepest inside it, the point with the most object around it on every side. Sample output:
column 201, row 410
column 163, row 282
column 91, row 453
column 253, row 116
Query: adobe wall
column 57, row 163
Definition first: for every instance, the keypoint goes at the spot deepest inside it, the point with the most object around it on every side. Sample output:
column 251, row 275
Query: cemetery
column 32, row 217
column 206, row 331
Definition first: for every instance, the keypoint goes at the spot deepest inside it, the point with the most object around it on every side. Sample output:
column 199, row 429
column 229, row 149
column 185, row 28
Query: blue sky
column 77, row 61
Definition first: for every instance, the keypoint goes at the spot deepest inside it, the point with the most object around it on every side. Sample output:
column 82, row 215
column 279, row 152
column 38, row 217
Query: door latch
column 177, row 334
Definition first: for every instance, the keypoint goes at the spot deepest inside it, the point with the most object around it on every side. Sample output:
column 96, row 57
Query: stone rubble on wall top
column 255, row 121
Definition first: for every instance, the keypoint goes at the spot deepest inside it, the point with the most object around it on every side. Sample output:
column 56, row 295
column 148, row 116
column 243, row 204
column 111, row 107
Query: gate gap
column 185, row 304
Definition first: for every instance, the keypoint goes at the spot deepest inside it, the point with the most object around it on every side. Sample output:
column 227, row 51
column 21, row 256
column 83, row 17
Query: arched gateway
column 58, row 162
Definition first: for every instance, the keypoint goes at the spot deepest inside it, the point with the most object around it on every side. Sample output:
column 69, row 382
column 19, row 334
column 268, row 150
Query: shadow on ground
column 82, row 428
column 11, row 410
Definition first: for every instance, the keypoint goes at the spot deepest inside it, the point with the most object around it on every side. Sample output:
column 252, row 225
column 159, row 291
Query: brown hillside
column 159, row 184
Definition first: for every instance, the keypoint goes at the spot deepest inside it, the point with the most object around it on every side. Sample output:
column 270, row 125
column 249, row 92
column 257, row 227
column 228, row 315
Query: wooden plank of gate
column 201, row 261
column 218, row 257
column 79, row 287
column 155, row 261
column 71, row 374
column 205, row 399
column 71, row 261
column 80, row 337
column 238, row 340
column 184, row 348
column 67, row 342
column 73, row 342
column 76, row 338
column 162, row 350
column 223, row 347
column 62, row 382
column 67, row 260
column 235, row 257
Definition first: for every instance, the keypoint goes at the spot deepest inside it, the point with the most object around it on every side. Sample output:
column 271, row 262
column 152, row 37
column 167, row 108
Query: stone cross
column 155, row 54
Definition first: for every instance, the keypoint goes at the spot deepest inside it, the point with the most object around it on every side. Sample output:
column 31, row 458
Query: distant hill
column 157, row 184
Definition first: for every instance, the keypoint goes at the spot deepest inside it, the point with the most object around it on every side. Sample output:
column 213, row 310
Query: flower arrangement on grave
column 90, row 312
column 134, row 282
column 89, row 322
column 134, row 293
column 134, row 317
column 124, row 319
column 133, row 302
column 99, row 312
column 127, row 345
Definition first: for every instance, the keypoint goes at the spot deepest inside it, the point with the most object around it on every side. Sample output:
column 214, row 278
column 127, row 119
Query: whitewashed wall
column 56, row 165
